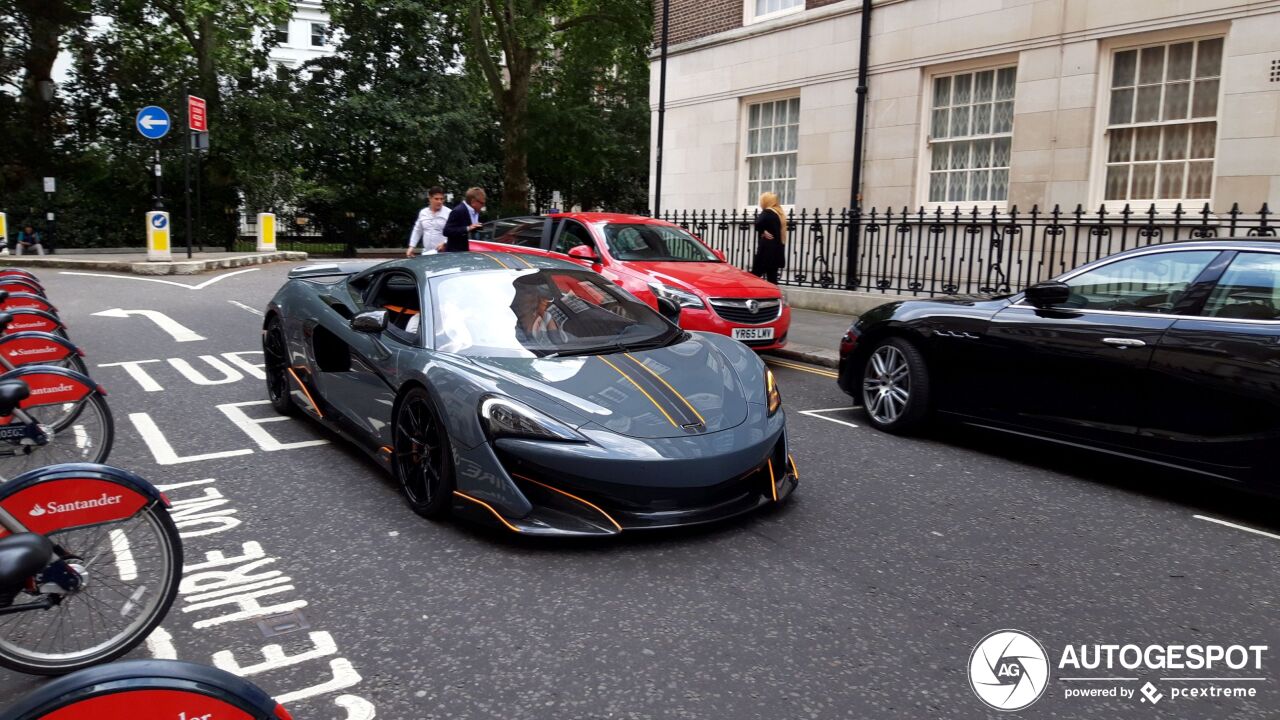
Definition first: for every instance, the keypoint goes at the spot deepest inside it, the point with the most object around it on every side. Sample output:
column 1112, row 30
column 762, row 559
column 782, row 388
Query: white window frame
column 924, row 157
column 287, row 30
column 744, row 128
column 325, row 34
column 1101, row 142
column 749, row 15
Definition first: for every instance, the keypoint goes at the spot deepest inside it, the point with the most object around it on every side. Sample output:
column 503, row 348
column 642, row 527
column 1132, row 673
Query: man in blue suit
column 462, row 220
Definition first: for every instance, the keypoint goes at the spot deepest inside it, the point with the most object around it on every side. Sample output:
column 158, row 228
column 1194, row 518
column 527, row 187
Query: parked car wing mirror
column 668, row 309
column 370, row 321
column 1048, row 294
column 719, row 254
column 584, row 252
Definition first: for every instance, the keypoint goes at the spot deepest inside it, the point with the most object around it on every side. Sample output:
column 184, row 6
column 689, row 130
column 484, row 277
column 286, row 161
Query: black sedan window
column 1249, row 289
column 539, row 313
column 1146, row 283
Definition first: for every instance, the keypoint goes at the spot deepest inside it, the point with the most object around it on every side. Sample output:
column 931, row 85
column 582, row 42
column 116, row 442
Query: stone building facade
column 987, row 102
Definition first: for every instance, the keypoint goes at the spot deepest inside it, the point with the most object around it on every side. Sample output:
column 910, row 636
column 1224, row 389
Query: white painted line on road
column 160, row 643
column 1255, row 531
column 125, row 564
column 815, row 413
column 201, row 286
column 163, row 451
column 178, row 331
column 253, row 310
column 842, row 407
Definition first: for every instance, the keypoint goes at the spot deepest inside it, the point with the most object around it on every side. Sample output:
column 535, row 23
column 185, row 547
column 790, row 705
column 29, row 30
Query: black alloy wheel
column 276, row 368
column 423, row 463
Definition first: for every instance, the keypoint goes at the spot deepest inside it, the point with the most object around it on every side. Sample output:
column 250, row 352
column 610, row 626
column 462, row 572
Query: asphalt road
column 863, row 597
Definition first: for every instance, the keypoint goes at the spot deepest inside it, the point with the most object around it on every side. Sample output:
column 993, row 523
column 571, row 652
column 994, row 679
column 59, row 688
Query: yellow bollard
column 158, row 236
column 266, row 232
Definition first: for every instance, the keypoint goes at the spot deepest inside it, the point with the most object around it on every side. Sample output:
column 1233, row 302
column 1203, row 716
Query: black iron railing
column 942, row 252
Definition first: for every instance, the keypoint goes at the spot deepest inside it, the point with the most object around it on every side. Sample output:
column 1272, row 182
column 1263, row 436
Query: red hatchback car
column 651, row 258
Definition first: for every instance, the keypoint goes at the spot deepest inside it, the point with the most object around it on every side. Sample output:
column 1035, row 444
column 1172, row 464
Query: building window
column 761, row 9
column 1162, row 121
column 773, row 133
column 282, row 33
column 970, row 133
column 319, row 34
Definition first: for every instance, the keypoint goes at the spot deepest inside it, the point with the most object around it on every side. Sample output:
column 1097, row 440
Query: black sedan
column 1168, row 353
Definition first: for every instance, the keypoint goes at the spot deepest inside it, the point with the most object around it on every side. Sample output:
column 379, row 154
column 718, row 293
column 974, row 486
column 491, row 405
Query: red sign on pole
column 197, row 120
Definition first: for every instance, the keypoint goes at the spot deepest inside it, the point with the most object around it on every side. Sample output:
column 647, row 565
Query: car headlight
column 504, row 417
column 773, row 396
column 683, row 298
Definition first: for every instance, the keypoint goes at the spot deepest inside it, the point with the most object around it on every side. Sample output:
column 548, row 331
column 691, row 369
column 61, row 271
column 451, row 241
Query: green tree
column 509, row 42
column 389, row 115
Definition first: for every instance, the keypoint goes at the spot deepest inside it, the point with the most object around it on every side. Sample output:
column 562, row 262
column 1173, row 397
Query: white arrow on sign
column 180, row 332
column 150, row 121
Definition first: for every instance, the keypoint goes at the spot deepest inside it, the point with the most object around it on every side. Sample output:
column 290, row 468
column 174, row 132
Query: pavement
column 863, row 597
column 138, row 264
column 814, row 337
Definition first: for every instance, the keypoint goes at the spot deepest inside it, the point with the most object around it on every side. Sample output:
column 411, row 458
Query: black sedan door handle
column 1124, row 342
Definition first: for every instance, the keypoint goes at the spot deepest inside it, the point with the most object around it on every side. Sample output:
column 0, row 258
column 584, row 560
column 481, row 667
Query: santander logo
column 24, row 326
column 62, row 387
column 22, row 352
column 53, row 507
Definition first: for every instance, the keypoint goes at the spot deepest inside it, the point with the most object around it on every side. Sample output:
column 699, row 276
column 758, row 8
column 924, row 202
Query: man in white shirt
column 429, row 227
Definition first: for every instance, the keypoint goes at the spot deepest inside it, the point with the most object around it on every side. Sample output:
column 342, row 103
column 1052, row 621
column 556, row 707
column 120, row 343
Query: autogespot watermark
column 1009, row 670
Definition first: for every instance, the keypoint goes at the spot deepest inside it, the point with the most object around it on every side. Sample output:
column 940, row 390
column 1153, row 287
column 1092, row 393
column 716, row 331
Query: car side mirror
column 371, row 321
column 719, row 254
column 584, row 252
column 1048, row 294
column 668, row 309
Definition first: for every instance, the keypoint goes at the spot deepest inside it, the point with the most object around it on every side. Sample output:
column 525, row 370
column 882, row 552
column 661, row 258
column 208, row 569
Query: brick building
column 988, row 102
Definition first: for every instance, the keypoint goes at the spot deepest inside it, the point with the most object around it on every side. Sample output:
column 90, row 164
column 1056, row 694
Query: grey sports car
column 528, row 393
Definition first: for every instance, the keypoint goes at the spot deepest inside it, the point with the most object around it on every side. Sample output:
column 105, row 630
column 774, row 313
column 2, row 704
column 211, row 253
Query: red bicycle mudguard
column 57, row 497
column 21, row 285
column 35, row 348
column 148, row 690
column 52, row 385
column 32, row 320
column 17, row 272
column 22, row 301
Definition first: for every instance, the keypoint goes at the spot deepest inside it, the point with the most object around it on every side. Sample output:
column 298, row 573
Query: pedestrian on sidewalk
column 462, row 220
column 771, row 239
column 429, row 227
column 29, row 239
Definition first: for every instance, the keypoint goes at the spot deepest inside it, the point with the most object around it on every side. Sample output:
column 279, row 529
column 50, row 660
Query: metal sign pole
column 187, row 192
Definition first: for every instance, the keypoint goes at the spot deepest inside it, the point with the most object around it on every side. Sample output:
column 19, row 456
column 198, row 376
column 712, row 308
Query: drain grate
column 282, row 624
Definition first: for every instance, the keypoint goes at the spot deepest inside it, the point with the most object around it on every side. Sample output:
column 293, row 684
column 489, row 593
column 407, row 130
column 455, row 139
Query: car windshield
column 635, row 241
column 540, row 313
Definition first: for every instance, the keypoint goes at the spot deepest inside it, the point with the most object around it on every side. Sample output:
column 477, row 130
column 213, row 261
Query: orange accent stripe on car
column 773, row 484
column 496, row 260
column 794, row 470
column 488, row 507
column 304, row 392
column 588, row 503
column 519, row 257
column 675, row 392
column 642, row 390
column 400, row 309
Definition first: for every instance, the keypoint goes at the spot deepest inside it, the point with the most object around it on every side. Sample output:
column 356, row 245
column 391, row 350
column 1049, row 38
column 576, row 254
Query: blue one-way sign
column 152, row 122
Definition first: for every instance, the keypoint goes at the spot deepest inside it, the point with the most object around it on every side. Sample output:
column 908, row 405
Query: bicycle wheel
column 77, row 432
column 130, row 571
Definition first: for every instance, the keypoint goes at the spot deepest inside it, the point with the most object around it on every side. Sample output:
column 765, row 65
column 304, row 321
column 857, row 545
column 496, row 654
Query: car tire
column 422, row 457
column 275, row 356
column 895, row 386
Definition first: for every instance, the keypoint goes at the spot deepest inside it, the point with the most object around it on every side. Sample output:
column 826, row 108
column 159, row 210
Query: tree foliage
column 353, row 139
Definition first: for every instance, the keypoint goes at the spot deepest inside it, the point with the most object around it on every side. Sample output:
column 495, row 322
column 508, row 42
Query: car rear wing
column 320, row 270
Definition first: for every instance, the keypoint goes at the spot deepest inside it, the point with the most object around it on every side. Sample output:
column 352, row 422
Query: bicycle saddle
column 12, row 393
column 22, row 556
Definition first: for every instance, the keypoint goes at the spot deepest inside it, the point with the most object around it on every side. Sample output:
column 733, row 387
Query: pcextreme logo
column 53, row 507
column 1009, row 670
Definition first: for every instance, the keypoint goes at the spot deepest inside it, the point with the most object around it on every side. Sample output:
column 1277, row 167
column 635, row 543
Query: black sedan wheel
column 276, row 367
column 423, row 464
column 895, row 386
